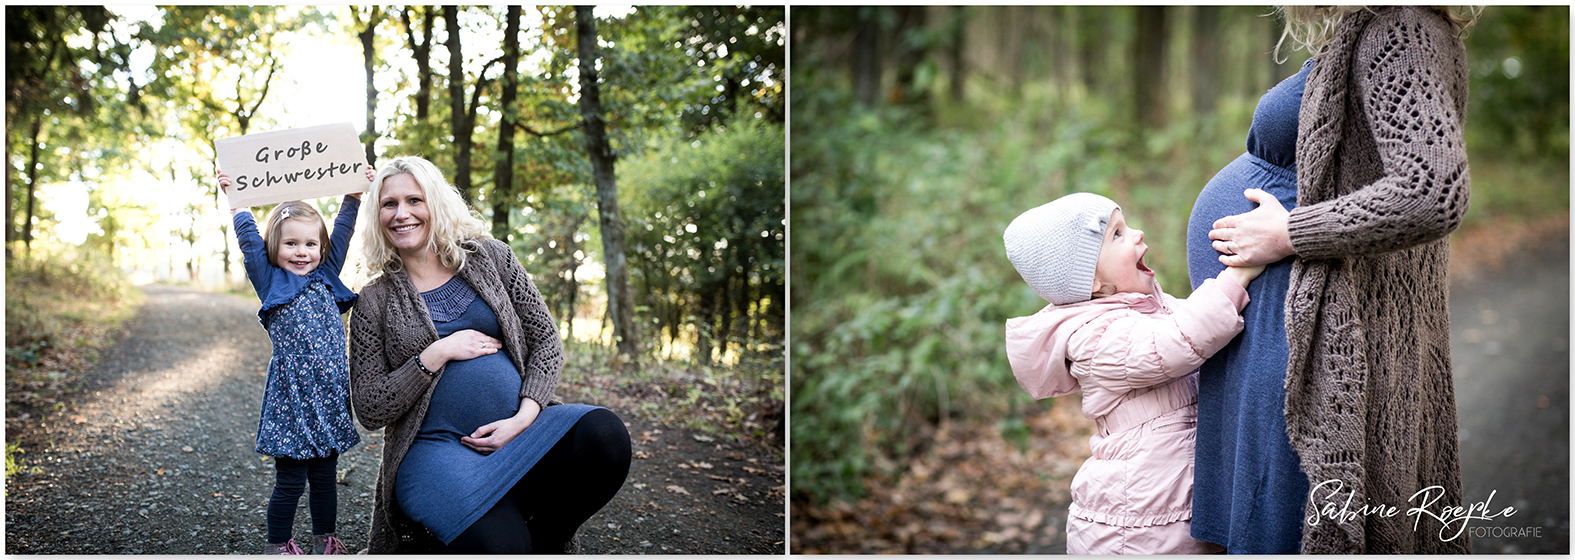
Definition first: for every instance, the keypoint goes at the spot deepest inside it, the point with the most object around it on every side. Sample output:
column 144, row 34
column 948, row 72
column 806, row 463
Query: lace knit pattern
column 449, row 301
column 1382, row 181
column 391, row 325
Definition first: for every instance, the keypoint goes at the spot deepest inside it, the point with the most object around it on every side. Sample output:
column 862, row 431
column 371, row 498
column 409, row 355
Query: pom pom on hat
column 1055, row 247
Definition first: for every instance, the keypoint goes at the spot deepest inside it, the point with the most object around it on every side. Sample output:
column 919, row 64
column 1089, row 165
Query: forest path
column 155, row 457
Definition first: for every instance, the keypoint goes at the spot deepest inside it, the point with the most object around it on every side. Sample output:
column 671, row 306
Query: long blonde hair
column 451, row 224
column 293, row 210
column 1312, row 27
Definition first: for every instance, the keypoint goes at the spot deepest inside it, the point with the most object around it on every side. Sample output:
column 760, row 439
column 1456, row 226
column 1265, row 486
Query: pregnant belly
column 472, row 393
column 1222, row 197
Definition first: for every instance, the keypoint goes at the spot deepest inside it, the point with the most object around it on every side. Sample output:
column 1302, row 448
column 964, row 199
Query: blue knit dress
column 441, row 483
column 1248, row 488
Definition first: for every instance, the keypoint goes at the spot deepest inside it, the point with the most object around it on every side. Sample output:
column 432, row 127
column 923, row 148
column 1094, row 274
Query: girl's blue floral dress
column 306, row 406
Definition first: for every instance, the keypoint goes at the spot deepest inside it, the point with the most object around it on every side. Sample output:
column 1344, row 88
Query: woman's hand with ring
column 467, row 344
column 1259, row 237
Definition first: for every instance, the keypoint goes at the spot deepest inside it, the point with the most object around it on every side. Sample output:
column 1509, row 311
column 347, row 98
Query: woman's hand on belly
column 494, row 436
column 1259, row 237
column 459, row 346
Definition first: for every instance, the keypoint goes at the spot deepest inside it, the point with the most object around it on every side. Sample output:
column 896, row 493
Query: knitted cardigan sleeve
column 381, row 392
column 545, row 362
column 1415, row 120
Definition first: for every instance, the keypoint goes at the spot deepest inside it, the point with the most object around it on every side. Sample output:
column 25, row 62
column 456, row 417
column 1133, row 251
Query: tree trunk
column 866, row 56
column 959, row 36
column 1205, row 59
column 910, row 22
column 32, row 182
column 422, row 52
column 1148, row 78
column 620, row 302
column 369, row 54
column 1090, row 41
column 503, row 172
column 457, row 113
column 10, row 190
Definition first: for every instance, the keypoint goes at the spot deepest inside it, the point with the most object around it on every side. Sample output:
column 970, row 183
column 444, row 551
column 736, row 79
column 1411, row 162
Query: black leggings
column 287, row 488
column 579, row 475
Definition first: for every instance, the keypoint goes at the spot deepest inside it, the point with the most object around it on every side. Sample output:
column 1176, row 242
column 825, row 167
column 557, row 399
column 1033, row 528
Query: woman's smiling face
column 402, row 210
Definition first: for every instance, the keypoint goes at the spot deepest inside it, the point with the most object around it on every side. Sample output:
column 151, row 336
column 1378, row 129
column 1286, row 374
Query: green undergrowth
column 63, row 306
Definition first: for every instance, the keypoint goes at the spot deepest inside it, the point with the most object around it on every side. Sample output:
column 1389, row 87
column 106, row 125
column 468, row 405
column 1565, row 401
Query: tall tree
column 866, row 55
column 462, row 115
column 1148, row 77
column 43, row 89
column 503, row 169
column 367, row 34
column 1205, row 59
column 620, row 303
column 957, row 37
column 421, row 51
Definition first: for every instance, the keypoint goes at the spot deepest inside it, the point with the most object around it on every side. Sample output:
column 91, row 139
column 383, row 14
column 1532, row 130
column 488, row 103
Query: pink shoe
column 288, row 547
column 328, row 544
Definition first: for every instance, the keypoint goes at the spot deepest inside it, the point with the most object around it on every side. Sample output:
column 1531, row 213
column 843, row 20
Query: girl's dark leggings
column 579, row 475
column 293, row 475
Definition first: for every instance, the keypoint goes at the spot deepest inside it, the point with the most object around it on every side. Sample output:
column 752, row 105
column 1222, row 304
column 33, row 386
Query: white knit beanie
column 1055, row 247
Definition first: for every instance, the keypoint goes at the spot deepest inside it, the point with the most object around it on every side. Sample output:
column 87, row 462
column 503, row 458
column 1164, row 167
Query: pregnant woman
column 1248, row 488
column 454, row 351
column 1368, row 400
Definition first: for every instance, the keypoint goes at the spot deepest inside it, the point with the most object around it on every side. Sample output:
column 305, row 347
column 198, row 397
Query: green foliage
column 57, row 297
column 706, row 236
column 62, row 306
column 1519, row 59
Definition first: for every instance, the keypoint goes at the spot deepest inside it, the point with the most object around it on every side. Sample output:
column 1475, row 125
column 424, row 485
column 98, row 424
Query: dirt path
column 1510, row 339
column 155, row 457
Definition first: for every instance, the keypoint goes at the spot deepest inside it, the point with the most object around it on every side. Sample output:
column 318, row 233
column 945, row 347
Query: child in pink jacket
column 1134, row 352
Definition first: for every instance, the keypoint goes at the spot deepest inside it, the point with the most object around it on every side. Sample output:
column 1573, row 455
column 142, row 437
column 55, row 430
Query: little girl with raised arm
column 1134, row 352
column 294, row 266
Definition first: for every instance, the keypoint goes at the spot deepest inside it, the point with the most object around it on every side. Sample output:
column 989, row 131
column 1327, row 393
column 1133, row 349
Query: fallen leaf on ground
column 677, row 489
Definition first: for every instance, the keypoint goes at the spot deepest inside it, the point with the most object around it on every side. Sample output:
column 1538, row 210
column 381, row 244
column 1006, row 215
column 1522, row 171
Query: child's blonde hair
column 450, row 222
column 292, row 210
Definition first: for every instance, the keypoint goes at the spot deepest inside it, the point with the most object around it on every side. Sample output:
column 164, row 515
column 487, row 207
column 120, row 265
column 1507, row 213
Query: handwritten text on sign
column 293, row 164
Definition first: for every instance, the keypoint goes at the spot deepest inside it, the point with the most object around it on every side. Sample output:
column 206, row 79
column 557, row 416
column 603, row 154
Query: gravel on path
column 156, row 457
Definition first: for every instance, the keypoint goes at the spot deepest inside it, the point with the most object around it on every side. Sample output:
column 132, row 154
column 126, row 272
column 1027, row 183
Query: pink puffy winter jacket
column 1135, row 358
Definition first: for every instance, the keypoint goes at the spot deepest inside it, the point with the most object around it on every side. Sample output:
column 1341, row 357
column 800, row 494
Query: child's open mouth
column 1143, row 267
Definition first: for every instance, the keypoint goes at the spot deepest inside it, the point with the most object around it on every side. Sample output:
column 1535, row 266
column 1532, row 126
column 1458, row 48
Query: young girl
column 305, row 422
column 1134, row 352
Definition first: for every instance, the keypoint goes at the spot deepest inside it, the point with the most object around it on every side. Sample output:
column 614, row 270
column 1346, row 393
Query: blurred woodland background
column 918, row 133
column 671, row 163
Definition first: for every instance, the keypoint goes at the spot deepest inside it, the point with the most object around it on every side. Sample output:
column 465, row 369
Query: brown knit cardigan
column 390, row 326
column 1382, row 180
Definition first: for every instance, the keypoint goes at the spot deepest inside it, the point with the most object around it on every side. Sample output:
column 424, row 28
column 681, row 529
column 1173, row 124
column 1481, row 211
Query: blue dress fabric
column 441, row 483
column 306, row 405
column 1248, row 489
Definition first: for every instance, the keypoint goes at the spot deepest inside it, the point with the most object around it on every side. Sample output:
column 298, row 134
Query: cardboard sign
column 293, row 164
